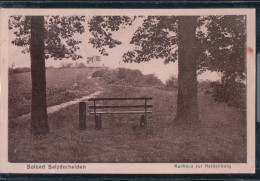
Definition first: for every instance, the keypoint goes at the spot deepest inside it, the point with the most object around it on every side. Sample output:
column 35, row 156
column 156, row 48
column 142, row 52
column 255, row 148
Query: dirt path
column 56, row 108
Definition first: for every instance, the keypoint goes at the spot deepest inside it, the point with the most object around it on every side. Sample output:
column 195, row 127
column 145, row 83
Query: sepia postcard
column 151, row 91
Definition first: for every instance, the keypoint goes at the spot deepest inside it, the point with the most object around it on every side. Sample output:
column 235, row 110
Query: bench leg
column 143, row 121
column 98, row 122
column 82, row 115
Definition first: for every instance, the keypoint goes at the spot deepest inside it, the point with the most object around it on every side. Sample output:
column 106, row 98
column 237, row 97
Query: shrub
column 106, row 75
column 204, row 86
column 231, row 92
column 80, row 65
column 101, row 73
column 171, row 83
column 135, row 77
column 129, row 76
column 66, row 65
column 152, row 80
column 123, row 76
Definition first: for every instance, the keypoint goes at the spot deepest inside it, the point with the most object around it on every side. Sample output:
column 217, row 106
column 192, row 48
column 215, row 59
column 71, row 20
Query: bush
column 66, row 65
column 135, row 77
column 124, row 76
column 204, row 86
column 152, row 80
column 231, row 92
column 80, row 65
column 171, row 83
column 129, row 76
column 106, row 75
column 101, row 73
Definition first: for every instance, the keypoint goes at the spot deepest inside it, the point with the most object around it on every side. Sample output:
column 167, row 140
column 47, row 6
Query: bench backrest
column 145, row 105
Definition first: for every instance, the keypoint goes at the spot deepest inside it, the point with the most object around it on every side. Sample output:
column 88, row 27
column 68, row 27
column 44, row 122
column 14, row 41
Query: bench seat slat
column 131, row 106
column 120, row 98
column 122, row 112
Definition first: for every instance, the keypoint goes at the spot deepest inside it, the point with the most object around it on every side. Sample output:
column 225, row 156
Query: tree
column 45, row 37
column 213, row 43
column 230, row 60
column 39, row 122
column 187, row 103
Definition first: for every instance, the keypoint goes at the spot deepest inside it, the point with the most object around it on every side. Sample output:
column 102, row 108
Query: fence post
column 82, row 115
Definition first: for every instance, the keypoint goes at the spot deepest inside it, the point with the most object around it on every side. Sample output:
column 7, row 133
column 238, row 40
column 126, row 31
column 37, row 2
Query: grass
column 62, row 85
column 220, row 137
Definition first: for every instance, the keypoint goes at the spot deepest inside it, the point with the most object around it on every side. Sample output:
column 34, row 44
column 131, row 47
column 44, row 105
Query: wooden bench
column 97, row 109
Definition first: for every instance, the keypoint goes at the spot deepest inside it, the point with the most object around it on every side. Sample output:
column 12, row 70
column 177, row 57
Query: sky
column 113, row 60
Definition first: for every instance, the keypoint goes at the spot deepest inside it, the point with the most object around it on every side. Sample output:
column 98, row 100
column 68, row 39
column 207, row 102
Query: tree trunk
column 187, row 103
column 39, row 123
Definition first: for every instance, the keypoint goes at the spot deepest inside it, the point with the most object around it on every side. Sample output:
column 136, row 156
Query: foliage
column 19, row 70
column 129, row 75
column 156, row 38
column 81, row 65
column 59, row 32
column 231, row 92
column 204, row 86
column 107, row 75
column 220, row 44
column 225, row 42
column 123, row 76
column 66, row 65
column 172, row 83
column 152, row 80
column 136, row 78
column 102, row 27
column 229, row 32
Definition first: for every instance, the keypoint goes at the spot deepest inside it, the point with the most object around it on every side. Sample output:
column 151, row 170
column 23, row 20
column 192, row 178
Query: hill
column 220, row 137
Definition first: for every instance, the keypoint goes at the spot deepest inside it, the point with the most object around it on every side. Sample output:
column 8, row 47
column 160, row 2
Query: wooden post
column 95, row 109
column 98, row 122
column 142, row 121
column 97, row 118
column 145, row 115
column 82, row 115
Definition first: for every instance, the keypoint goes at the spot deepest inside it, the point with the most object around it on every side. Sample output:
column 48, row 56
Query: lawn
column 219, row 137
column 62, row 85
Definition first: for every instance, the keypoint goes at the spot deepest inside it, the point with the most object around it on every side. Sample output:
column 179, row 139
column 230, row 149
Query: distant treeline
column 23, row 69
column 19, row 70
column 28, row 69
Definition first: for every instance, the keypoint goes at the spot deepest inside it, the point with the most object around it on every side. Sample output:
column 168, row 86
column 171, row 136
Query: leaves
column 225, row 43
column 220, row 43
column 21, row 26
column 156, row 38
column 102, row 27
column 230, row 91
column 59, row 32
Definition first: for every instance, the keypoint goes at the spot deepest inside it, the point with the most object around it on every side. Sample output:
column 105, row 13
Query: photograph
column 128, row 89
